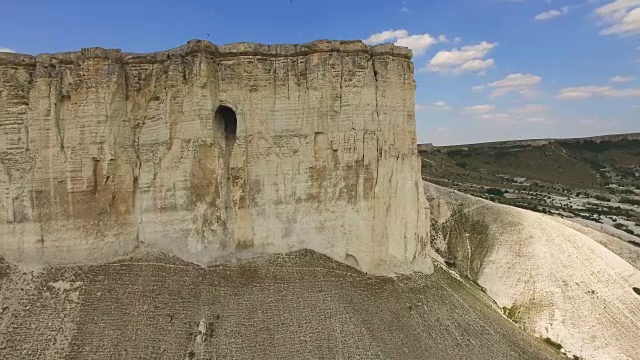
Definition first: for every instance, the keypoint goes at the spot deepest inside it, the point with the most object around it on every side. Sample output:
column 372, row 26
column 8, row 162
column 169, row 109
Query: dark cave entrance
column 227, row 117
column 227, row 123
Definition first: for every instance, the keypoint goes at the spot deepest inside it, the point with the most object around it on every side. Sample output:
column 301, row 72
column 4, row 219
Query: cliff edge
column 210, row 152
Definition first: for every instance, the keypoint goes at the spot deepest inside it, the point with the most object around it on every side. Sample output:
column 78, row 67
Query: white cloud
column 552, row 13
column 509, row 119
column 583, row 92
column 535, row 119
column 478, row 109
column 516, row 80
column 386, row 36
column 418, row 43
column 404, row 9
column 6, row 50
column 621, row 16
column 438, row 105
column 498, row 117
column 529, row 109
column 441, row 105
column 524, row 85
column 470, row 58
column 521, row 84
column 547, row 15
column 538, row 120
column 477, row 65
column 531, row 113
column 621, row 79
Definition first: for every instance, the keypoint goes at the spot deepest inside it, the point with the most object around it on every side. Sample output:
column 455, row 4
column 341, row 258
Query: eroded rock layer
column 301, row 305
column 211, row 152
column 556, row 279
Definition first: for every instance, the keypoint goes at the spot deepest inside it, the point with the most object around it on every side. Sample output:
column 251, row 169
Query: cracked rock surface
column 211, row 152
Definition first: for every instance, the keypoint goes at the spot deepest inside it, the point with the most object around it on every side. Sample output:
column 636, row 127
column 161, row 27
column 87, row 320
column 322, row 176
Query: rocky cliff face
column 211, row 152
column 556, row 279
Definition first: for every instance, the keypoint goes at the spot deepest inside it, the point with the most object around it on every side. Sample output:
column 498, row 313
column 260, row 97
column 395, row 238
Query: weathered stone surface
column 550, row 276
column 102, row 152
column 301, row 305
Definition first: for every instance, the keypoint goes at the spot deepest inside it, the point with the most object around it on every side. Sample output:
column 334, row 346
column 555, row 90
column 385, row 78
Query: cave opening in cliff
column 227, row 117
column 227, row 121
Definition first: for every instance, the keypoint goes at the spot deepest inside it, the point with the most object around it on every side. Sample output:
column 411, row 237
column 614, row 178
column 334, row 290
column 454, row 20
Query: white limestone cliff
column 212, row 152
column 554, row 278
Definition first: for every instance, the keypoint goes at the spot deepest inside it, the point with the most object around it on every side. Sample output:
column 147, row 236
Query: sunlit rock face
column 213, row 152
column 556, row 279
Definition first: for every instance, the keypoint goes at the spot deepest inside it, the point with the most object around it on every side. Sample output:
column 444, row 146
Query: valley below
column 550, row 231
column 591, row 181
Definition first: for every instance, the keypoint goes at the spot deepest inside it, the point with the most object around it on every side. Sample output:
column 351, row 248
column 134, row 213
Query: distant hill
column 538, row 142
column 594, row 178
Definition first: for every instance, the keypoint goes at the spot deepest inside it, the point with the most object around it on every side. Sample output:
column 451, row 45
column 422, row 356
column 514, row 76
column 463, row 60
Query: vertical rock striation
column 212, row 152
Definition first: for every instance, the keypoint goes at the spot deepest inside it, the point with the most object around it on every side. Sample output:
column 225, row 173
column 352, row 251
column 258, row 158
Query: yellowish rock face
column 212, row 152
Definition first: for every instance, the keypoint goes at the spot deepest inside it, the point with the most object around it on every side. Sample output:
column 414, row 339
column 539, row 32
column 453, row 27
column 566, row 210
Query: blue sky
column 486, row 69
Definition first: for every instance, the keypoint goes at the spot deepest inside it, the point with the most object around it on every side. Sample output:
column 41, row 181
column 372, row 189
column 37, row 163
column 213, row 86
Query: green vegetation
column 601, row 198
column 568, row 163
column 461, row 163
column 623, row 227
column 581, row 178
column 495, row 192
column 630, row 201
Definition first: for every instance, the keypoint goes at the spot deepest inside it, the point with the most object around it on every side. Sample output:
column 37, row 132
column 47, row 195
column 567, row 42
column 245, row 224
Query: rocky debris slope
column 548, row 276
column 212, row 151
column 300, row 305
